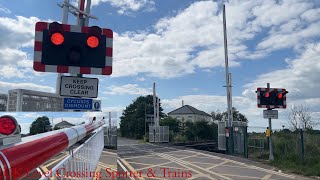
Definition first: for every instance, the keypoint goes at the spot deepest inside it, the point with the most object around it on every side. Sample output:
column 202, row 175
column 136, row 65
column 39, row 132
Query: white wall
column 191, row 117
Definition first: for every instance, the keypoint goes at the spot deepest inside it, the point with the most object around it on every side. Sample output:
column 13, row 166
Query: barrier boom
column 18, row 160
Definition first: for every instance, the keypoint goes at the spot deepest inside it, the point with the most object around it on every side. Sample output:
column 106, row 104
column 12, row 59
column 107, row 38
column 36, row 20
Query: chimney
column 182, row 103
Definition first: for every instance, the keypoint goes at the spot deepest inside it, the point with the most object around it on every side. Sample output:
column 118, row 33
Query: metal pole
column 145, row 121
column 86, row 23
column 81, row 20
column 109, row 129
column 154, row 104
column 158, row 111
column 65, row 12
column 302, row 144
column 271, row 157
column 229, row 124
column 231, row 114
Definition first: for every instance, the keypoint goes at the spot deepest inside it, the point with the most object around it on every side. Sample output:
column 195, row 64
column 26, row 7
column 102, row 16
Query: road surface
column 152, row 161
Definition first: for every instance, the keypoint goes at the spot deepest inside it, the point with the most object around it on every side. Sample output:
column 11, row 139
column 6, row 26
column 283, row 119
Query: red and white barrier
column 22, row 158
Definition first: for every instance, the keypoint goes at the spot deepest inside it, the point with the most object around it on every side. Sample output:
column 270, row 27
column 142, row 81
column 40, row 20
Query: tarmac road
column 160, row 161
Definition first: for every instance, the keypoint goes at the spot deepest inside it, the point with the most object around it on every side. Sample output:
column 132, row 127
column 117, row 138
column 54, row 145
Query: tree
column 299, row 117
column 40, row 125
column 132, row 121
column 217, row 115
column 237, row 116
column 201, row 130
column 171, row 122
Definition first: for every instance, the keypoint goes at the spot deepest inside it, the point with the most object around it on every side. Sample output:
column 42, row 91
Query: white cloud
column 10, row 72
column 5, row 86
column 300, row 78
column 311, row 15
column 141, row 79
column 4, row 10
column 130, row 89
column 193, row 38
column 10, row 56
column 125, row 7
column 17, row 32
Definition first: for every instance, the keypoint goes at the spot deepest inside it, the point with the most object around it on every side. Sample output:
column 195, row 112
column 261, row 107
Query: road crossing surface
column 160, row 161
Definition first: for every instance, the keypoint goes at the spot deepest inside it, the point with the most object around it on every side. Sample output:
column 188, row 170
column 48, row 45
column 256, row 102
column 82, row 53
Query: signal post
column 271, row 98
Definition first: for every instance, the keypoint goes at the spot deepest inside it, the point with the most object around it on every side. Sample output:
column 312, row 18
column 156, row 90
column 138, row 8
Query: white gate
column 158, row 133
column 83, row 159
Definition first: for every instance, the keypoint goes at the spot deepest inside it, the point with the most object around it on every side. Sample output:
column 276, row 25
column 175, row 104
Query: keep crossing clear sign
column 79, row 87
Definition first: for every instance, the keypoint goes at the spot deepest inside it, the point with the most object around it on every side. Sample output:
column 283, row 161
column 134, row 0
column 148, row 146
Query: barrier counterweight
column 20, row 159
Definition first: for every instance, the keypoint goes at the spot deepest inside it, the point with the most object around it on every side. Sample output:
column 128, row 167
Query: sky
column 179, row 45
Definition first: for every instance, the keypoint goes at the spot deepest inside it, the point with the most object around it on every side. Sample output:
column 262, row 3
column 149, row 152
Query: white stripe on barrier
column 108, row 61
column 109, row 42
column 96, row 71
column 75, row 29
column 51, row 68
column 38, row 36
column 74, row 70
column 37, row 56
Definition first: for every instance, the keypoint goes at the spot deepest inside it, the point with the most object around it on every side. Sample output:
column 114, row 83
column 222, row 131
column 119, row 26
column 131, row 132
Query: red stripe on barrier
column 66, row 27
column 37, row 46
column 107, row 70
column 40, row 26
column 258, row 89
column 259, row 105
column 6, row 169
column 108, row 51
column 34, row 153
column 38, row 66
column 108, row 33
column 85, row 70
column 85, row 29
column 63, row 69
column 89, row 128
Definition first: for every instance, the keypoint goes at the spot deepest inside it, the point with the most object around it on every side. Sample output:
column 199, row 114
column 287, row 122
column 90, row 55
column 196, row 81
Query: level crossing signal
column 74, row 49
column 271, row 97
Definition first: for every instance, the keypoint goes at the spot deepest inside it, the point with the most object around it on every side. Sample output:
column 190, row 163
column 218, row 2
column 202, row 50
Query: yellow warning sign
column 268, row 133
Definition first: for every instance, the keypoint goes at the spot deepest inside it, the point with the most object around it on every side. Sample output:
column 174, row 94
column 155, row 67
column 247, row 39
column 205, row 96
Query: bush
column 180, row 138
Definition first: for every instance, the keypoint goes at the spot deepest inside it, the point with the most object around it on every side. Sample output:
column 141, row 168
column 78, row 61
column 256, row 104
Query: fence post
column 245, row 142
column 302, row 144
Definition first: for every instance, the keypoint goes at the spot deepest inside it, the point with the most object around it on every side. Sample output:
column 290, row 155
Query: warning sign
column 79, row 87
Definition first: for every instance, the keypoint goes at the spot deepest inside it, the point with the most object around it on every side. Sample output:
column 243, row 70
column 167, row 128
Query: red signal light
column 266, row 94
column 7, row 125
column 280, row 95
column 93, row 41
column 57, row 39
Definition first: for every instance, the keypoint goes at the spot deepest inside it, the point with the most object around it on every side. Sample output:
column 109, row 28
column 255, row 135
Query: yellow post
column 268, row 133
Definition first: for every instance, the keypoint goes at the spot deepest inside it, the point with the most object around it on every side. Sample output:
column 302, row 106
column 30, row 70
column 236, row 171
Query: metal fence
column 82, row 162
column 110, row 137
column 287, row 145
column 27, row 100
column 239, row 136
column 158, row 133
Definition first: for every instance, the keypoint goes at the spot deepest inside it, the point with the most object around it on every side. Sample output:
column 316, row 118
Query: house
column 189, row 113
column 63, row 124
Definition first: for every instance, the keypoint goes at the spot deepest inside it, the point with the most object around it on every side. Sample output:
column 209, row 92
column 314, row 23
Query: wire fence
column 298, row 145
